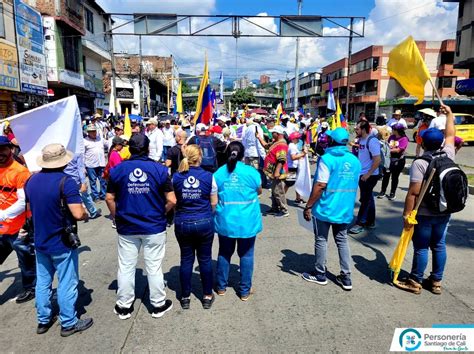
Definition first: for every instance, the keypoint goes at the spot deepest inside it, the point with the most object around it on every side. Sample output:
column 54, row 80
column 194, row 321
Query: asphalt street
column 286, row 314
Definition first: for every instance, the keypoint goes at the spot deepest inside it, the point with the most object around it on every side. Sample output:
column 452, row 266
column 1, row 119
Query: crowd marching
column 206, row 179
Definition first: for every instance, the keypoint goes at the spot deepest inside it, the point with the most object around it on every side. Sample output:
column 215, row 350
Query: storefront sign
column 29, row 30
column 71, row 78
column 124, row 93
column 9, row 79
column 465, row 87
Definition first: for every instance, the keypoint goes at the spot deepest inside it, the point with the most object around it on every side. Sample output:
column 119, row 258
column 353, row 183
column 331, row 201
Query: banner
column 303, row 183
column 30, row 43
column 56, row 122
column 9, row 79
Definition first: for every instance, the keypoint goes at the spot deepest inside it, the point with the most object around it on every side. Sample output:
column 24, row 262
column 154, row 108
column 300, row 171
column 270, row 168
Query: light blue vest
column 336, row 204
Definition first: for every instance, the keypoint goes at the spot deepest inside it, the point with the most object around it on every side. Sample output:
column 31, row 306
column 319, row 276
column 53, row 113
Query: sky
column 387, row 23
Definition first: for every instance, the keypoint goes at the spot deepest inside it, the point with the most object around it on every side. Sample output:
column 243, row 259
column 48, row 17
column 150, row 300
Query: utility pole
column 140, row 82
column 112, row 63
column 349, row 60
column 297, row 83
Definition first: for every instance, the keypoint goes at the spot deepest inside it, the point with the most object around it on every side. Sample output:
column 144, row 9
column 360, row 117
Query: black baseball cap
column 138, row 144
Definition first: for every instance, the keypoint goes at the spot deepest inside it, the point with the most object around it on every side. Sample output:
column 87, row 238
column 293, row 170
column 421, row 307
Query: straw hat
column 54, row 156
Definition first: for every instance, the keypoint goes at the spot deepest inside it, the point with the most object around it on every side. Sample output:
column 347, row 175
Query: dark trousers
column 396, row 168
column 195, row 238
column 366, row 215
column 26, row 258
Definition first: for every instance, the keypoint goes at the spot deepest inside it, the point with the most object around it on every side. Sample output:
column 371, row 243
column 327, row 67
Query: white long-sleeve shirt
column 169, row 137
column 156, row 144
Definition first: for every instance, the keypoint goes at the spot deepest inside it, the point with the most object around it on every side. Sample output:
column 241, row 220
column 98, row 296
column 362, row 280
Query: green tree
column 242, row 97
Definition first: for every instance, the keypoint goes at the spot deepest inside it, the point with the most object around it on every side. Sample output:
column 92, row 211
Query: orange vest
column 12, row 178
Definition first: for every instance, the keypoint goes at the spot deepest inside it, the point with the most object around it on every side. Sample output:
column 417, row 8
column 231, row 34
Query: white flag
column 303, row 183
column 56, row 122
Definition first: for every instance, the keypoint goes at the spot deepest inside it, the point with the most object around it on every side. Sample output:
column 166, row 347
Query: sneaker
column 221, row 292
column 432, row 285
column 207, row 303
column 97, row 214
column 272, row 212
column 114, row 226
column 282, row 214
column 315, row 278
column 370, row 226
column 81, row 325
column 392, row 196
column 122, row 312
column 185, row 303
column 409, row 285
column 356, row 229
column 44, row 327
column 25, row 296
column 381, row 195
column 345, row 282
column 246, row 297
column 161, row 310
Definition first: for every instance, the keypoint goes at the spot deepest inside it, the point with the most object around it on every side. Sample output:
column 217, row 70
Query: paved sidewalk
column 286, row 314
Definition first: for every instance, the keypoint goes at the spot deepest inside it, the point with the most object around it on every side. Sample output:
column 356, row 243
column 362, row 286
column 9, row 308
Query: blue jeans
column 366, row 215
column 245, row 250
column 165, row 152
column 88, row 202
column 195, row 238
column 94, row 174
column 321, row 233
column 430, row 232
column 66, row 265
column 25, row 253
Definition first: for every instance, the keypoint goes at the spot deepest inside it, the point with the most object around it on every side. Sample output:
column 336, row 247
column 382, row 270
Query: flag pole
column 436, row 91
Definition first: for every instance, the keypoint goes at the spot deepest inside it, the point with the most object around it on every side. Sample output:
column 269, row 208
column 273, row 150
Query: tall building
column 242, row 83
column 374, row 92
column 308, row 94
column 264, row 79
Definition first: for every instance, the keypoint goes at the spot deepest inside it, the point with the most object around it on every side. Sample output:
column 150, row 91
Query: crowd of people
column 206, row 179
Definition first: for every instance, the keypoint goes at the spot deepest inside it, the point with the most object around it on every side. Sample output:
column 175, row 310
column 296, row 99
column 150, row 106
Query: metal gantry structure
column 237, row 26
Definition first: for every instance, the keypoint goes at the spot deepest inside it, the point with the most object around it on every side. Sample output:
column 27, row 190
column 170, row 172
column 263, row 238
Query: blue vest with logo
column 193, row 194
column 238, row 212
column 139, row 187
column 337, row 201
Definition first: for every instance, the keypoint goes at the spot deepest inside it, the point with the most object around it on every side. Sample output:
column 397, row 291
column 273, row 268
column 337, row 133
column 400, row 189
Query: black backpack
column 448, row 190
column 209, row 154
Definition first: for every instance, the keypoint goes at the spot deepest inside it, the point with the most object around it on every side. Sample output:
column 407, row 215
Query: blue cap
column 339, row 135
column 4, row 141
column 432, row 136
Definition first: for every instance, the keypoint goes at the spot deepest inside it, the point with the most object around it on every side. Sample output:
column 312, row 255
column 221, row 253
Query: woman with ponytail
column 238, row 219
column 196, row 195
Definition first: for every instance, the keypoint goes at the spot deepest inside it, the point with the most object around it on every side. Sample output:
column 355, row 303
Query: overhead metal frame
column 235, row 21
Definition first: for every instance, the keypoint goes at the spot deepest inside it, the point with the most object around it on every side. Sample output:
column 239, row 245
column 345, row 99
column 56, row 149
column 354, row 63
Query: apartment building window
column 71, row 53
column 445, row 82
column 104, row 29
column 2, row 24
column 89, row 20
column 447, row 58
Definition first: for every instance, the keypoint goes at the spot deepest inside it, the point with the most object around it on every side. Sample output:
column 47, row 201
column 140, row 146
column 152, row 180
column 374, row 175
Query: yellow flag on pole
column 333, row 123
column 179, row 99
column 406, row 65
column 202, row 88
column 338, row 114
column 127, row 125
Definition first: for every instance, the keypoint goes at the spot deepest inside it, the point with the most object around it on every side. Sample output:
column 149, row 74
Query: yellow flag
column 127, row 125
column 202, row 88
column 338, row 114
column 406, row 65
column 279, row 113
column 179, row 99
column 333, row 123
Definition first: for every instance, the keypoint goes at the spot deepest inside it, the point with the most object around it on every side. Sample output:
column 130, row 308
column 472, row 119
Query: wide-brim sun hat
column 277, row 129
column 295, row 135
column 54, row 156
column 429, row 112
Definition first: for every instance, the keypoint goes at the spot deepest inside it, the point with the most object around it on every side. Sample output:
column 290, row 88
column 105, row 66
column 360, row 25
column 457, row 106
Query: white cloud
column 389, row 22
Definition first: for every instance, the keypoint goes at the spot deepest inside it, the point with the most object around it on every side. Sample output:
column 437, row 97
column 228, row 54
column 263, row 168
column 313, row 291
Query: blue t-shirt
column 193, row 193
column 43, row 194
column 365, row 152
column 140, row 185
column 238, row 212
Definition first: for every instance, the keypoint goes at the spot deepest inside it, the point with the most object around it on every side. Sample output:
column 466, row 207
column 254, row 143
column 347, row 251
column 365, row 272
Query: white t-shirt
column 168, row 136
column 323, row 173
column 292, row 150
column 393, row 121
column 439, row 122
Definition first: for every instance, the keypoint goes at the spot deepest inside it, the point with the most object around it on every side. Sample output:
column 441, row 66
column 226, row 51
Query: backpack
column 448, row 190
column 209, row 155
column 384, row 154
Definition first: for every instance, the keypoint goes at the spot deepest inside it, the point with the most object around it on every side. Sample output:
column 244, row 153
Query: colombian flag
column 206, row 109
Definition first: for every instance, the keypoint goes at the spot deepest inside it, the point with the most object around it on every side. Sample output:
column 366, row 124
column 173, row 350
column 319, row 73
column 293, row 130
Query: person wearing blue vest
column 238, row 218
column 196, row 195
column 139, row 194
column 331, row 204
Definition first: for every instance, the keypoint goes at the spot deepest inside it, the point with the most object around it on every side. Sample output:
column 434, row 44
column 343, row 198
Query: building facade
column 264, row 79
column 309, row 92
column 142, row 89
